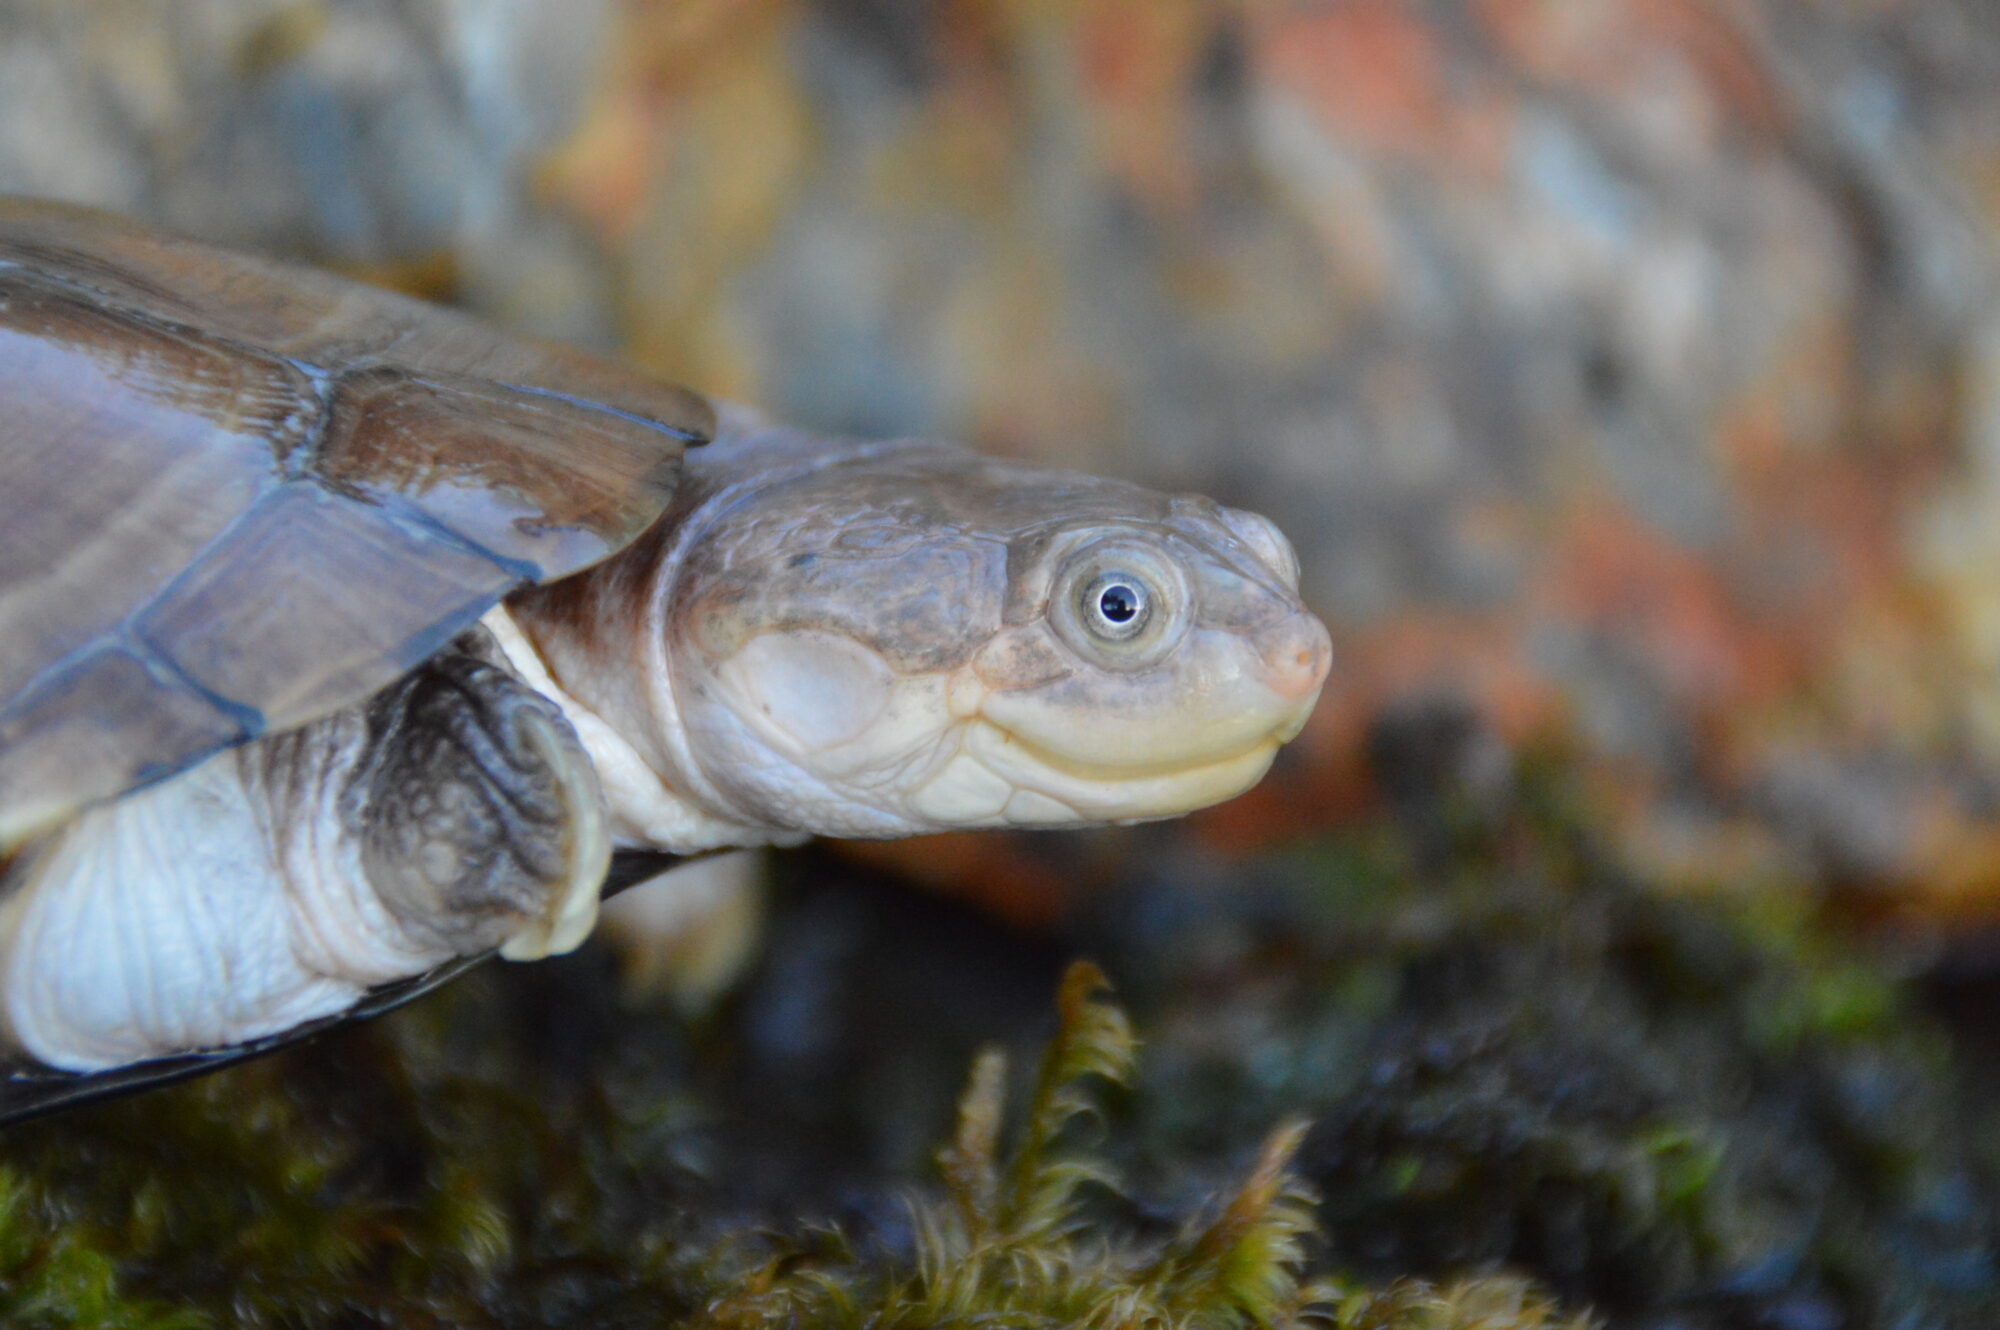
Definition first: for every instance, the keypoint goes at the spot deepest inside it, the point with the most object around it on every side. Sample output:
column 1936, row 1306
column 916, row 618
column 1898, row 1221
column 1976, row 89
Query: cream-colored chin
column 1002, row 779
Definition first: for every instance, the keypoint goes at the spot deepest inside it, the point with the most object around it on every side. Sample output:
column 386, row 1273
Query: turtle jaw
column 812, row 731
column 1200, row 727
column 1000, row 778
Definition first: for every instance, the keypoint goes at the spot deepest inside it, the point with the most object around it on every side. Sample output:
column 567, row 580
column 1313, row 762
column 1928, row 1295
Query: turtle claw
column 478, row 812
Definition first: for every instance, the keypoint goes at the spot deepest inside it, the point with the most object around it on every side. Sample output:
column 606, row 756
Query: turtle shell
column 237, row 495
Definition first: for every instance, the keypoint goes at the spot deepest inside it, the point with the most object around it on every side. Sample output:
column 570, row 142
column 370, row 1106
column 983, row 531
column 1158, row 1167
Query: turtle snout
column 1295, row 656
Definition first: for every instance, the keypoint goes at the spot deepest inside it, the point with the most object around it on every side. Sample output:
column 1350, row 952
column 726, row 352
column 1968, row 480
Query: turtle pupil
column 1118, row 603
column 1113, row 607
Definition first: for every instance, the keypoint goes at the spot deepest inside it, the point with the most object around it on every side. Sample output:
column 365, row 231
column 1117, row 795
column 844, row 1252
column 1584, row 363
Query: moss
column 343, row 1187
column 1473, row 1304
column 1531, row 1085
column 361, row 1192
column 1009, row 1242
column 57, row 1278
column 1706, row 1110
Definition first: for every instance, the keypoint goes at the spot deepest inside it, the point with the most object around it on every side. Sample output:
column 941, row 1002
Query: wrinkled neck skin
column 882, row 639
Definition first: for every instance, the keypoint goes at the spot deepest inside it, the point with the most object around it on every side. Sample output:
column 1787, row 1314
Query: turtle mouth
column 1052, row 787
column 1112, row 773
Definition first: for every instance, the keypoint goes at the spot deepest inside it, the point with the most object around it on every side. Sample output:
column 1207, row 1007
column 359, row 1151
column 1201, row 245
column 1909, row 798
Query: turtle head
column 1146, row 668
column 915, row 639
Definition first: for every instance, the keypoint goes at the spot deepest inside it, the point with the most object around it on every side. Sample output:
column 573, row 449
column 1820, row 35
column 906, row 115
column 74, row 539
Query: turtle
column 344, row 638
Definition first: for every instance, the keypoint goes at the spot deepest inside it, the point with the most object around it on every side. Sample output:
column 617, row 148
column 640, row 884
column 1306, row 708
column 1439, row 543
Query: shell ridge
column 300, row 427
column 689, row 436
column 124, row 633
column 127, row 634
column 156, row 663
column 401, row 508
column 283, row 575
column 126, row 308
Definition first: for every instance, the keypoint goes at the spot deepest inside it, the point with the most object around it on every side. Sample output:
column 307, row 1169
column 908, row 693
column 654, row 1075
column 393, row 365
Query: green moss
column 1010, row 1242
column 303, row 1190
column 264, row 1197
column 1520, row 1055
column 1516, row 1064
column 1473, row 1304
column 56, row 1278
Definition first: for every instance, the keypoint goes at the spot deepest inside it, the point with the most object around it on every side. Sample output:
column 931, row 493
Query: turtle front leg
column 477, row 810
column 278, row 882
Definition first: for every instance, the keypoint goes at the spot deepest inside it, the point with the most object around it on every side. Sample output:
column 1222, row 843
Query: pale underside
column 279, row 882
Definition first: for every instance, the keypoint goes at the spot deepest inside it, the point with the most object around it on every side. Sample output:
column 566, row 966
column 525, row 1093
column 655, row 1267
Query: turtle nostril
column 1297, row 658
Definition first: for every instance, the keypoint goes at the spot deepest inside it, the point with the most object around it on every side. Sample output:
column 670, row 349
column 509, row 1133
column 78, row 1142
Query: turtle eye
column 1120, row 606
column 1116, row 605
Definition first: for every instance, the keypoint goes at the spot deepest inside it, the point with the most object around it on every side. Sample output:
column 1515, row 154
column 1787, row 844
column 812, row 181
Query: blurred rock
column 393, row 138
column 1631, row 370
column 1628, row 368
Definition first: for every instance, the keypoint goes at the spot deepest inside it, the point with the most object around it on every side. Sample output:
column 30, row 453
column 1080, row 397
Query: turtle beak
column 1294, row 658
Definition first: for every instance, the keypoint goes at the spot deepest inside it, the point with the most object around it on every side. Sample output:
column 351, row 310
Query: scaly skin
column 877, row 640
